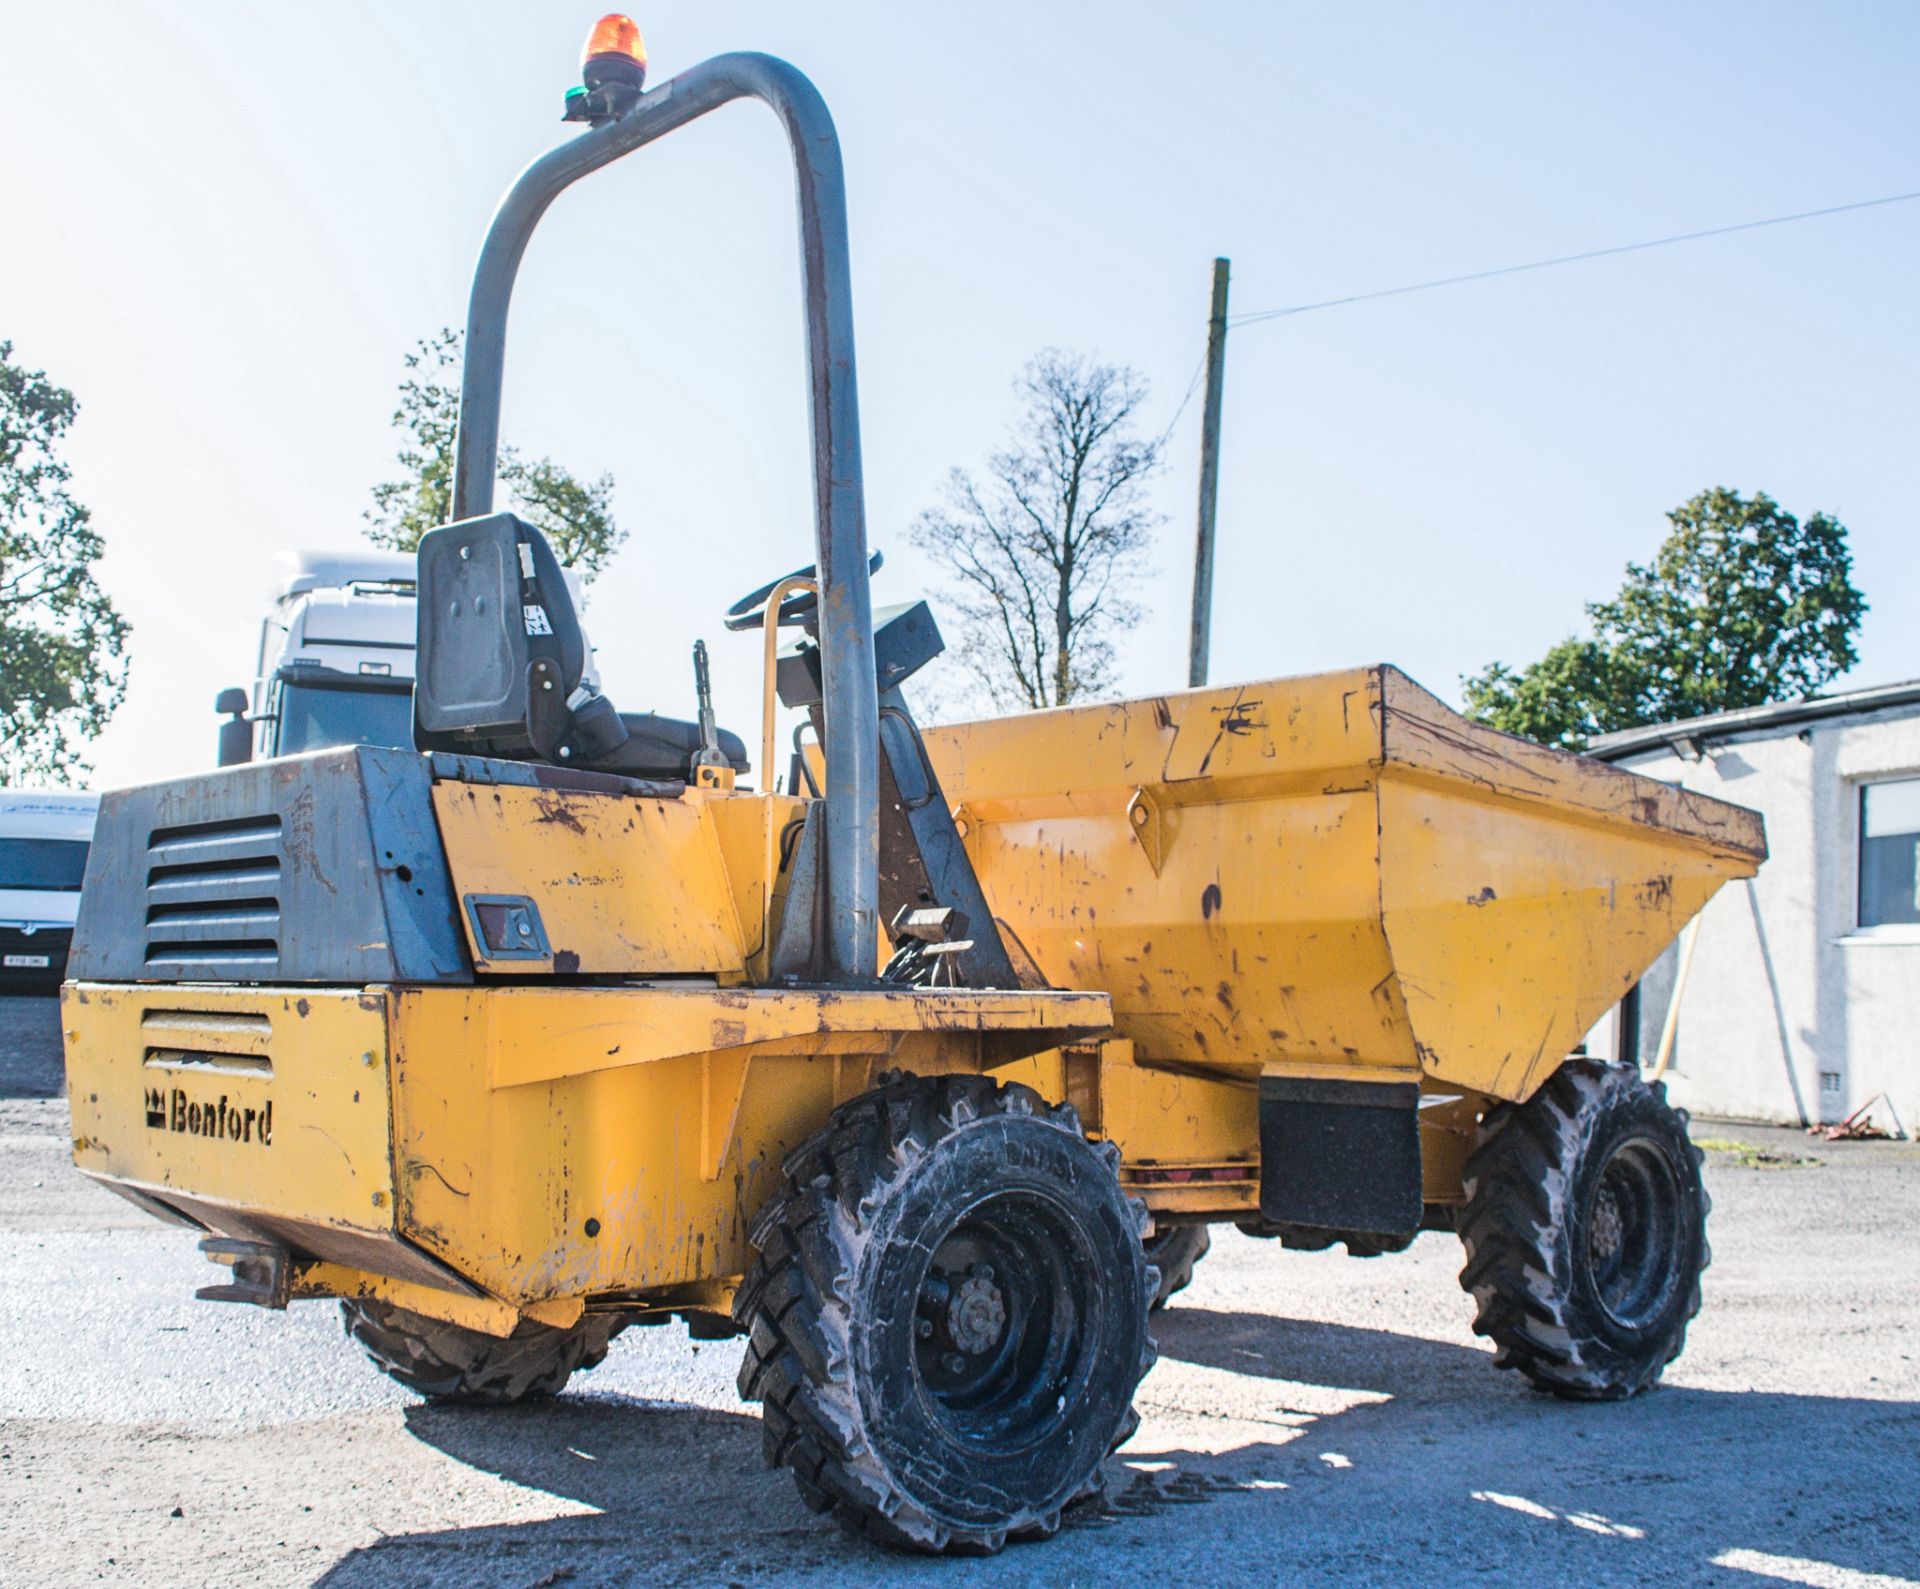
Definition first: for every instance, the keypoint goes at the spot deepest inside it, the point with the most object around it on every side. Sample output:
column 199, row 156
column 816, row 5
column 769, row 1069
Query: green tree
column 1044, row 550
column 1567, row 698
column 63, row 666
column 1743, row 604
column 575, row 515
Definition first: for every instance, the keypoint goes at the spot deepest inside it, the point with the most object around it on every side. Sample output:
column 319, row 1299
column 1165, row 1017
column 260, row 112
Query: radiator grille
column 213, row 899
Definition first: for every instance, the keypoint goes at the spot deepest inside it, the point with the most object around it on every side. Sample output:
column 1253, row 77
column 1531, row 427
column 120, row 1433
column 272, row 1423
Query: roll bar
column 846, row 606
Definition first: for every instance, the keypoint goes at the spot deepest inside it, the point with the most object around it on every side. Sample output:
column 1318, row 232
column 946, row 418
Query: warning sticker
column 536, row 616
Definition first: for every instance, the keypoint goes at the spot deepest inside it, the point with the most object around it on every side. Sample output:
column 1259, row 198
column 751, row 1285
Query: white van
column 44, row 838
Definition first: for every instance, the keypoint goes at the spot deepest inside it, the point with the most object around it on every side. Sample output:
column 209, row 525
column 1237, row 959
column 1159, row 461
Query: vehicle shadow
column 662, row 1492
column 1437, row 1470
column 1491, row 1477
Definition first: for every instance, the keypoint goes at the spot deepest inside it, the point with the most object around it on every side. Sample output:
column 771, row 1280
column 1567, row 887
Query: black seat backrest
column 492, row 601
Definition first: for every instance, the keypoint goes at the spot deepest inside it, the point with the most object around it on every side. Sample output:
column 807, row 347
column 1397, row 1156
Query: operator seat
column 502, row 660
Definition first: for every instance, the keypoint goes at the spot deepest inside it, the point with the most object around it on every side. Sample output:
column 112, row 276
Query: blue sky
column 225, row 223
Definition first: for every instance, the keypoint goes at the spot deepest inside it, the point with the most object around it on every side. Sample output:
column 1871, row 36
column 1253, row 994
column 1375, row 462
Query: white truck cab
column 335, row 665
column 44, row 838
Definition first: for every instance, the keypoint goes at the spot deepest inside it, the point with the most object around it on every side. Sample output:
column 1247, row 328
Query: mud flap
column 1340, row 1155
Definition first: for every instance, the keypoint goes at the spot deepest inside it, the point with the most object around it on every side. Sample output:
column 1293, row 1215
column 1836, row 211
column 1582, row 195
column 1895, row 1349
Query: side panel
column 1332, row 877
column 1514, row 930
column 625, row 885
column 562, row 1141
column 268, row 1102
column 1256, row 941
column 1211, row 859
column 591, row 1183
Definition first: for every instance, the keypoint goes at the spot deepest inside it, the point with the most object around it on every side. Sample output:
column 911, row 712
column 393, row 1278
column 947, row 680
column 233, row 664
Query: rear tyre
column 1585, row 1227
column 1174, row 1250
column 948, row 1315
column 447, row 1363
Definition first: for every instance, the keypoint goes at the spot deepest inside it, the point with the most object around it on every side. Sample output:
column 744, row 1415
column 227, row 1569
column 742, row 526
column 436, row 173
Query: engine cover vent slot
column 213, row 898
column 229, row 1042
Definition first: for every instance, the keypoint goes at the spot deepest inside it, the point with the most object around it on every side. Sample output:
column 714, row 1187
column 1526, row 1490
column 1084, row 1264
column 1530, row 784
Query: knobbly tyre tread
column 1310, row 1238
column 449, row 1363
column 1175, row 1250
column 1516, row 1227
column 795, row 1306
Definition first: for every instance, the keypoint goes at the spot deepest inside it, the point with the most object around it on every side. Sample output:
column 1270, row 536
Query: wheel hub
column 977, row 1313
column 1633, row 1222
column 1607, row 1232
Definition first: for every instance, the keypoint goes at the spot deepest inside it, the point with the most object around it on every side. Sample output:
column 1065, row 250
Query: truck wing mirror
column 236, row 733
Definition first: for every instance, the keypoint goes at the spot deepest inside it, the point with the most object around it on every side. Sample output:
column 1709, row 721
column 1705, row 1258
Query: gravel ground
column 1313, row 1419
column 30, row 1065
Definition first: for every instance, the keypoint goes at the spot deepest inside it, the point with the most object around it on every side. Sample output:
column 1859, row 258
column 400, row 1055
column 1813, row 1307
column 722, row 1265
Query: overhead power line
column 1255, row 316
column 1193, row 386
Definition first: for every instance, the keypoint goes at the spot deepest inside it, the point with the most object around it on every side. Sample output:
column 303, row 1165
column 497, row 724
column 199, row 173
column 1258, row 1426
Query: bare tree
column 1045, row 548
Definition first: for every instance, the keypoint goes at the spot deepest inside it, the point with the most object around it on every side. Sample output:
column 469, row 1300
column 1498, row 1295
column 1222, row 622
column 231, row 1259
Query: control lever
column 711, row 769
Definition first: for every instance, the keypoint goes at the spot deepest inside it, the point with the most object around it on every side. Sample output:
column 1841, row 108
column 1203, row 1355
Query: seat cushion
column 663, row 747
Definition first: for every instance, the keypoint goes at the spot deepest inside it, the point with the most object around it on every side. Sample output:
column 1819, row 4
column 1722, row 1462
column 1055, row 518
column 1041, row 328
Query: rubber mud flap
column 1341, row 1155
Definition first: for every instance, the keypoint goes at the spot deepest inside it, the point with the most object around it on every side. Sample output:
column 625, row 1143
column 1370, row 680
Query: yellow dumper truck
column 926, row 1073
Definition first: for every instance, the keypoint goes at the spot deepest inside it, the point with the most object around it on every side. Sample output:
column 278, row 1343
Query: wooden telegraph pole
column 1201, row 633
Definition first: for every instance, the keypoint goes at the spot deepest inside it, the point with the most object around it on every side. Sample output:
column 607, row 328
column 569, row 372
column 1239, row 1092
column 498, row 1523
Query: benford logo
column 221, row 1120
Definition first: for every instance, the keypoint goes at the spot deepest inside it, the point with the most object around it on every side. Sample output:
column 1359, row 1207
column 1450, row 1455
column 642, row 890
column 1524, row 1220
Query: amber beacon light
column 613, row 70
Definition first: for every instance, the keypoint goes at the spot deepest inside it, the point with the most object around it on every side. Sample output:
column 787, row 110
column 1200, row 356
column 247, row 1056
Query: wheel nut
column 956, row 1364
column 925, row 1328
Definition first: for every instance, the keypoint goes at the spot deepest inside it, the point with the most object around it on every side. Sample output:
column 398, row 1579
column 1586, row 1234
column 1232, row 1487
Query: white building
column 1803, row 1000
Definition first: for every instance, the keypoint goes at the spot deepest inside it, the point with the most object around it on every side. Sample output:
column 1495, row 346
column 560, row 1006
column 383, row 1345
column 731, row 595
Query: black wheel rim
column 1005, row 1321
column 1634, row 1226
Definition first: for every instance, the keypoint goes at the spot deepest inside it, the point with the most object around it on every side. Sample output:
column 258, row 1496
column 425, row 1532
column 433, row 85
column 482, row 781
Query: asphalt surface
column 30, row 1064
column 1313, row 1419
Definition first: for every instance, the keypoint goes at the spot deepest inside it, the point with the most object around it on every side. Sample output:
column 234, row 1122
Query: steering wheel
column 749, row 612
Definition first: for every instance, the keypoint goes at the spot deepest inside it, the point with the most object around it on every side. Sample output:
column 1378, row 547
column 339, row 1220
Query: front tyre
column 948, row 1315
column 449, row 1363
column 1585, row 1226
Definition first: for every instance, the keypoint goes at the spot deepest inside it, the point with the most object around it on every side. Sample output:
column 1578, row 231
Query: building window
column 1890, row 853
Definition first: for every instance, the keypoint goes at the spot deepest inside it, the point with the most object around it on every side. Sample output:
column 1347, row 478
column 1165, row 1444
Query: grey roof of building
column 1752, row 719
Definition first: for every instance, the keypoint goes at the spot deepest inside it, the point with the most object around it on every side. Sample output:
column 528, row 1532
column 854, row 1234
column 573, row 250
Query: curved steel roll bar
column 846, row 607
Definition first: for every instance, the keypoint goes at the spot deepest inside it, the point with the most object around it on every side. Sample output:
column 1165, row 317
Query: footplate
column 259, row 1272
